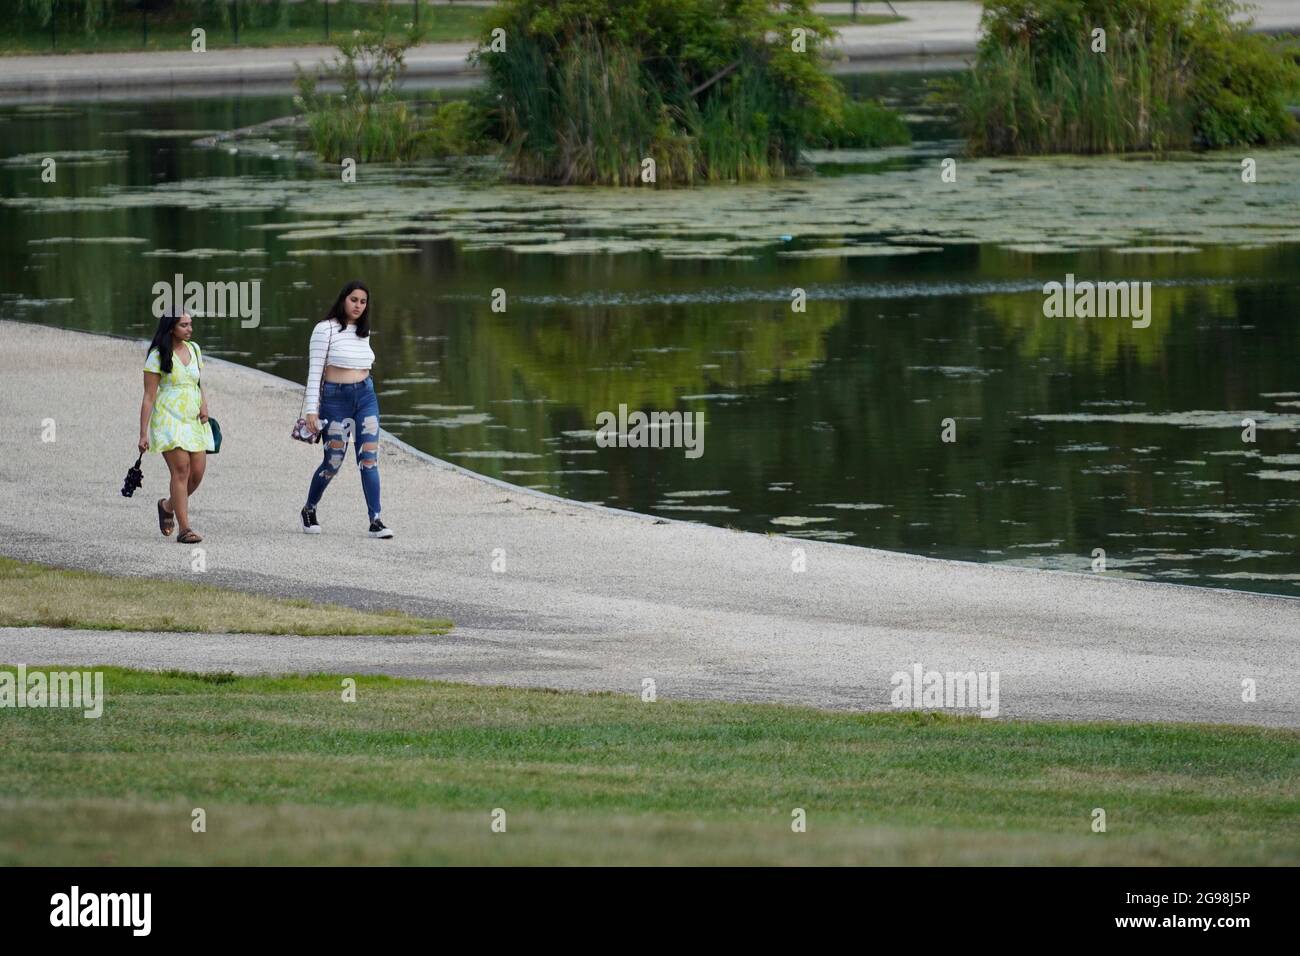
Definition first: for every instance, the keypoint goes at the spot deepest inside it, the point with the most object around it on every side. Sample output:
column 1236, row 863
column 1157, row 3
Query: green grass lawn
column 36, row 595
column 412, row 771
column 442, row 24
column 863, row 20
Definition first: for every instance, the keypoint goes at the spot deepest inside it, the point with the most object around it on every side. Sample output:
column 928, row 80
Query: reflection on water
column 923, row 303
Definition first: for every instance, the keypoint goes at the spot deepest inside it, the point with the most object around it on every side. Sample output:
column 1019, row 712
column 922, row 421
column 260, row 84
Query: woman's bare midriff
column 345, row 376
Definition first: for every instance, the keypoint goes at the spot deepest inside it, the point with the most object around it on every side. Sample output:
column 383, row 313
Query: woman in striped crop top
column 340, row 398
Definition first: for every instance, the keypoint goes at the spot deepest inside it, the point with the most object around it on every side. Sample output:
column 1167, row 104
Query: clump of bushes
column 586, row 90
column 367, row 120
column 1174, row 74
column 458, row 127
column 863, row 124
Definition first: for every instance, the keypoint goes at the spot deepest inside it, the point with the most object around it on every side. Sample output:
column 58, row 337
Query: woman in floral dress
column 174, row 419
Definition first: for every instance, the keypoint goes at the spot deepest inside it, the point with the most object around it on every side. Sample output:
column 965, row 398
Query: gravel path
column 591, row 599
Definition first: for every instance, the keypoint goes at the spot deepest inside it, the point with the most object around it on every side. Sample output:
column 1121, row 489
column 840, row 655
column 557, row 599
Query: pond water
column 924, row 303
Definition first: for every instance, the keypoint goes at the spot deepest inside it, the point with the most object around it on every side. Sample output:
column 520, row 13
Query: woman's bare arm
column 151, row 380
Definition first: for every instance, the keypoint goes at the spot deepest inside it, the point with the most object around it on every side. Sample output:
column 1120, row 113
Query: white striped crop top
column 346, row 350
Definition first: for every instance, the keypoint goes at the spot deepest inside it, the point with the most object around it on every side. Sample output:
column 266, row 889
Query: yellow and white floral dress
column 175, row 419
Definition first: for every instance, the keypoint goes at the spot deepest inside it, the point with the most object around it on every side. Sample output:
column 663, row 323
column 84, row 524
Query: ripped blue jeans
column 350, row 412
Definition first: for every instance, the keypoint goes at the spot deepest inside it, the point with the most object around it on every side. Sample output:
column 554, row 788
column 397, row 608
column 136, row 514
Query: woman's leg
column 178, row 463
column 335, row 444
column 367, row 441
column 198, row 465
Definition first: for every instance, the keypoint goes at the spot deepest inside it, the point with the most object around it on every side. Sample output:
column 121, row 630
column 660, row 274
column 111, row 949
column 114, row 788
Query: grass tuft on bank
column 411, row 772
column 34, row 595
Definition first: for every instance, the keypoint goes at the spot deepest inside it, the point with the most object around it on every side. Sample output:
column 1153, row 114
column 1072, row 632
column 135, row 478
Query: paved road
column 934, row 28
column 591, row 599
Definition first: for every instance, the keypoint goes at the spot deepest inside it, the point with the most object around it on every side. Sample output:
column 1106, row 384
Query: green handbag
column 216, row 425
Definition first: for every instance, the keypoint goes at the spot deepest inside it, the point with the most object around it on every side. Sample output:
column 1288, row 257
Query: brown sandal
column 166, row 519
column 188, row 537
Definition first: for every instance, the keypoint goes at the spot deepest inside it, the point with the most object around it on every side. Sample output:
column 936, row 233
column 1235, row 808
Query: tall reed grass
column 709, row 92
column 1173, row 74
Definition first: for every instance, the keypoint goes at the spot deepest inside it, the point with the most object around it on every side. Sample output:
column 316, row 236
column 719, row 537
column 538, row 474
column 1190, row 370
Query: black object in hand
column 134, row 479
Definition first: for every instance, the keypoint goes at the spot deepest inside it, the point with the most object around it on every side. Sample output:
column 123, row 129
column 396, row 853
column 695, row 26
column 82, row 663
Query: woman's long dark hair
column 338, row 315
column 162, row 341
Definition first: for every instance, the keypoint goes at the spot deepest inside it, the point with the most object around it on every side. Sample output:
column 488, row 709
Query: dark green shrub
column 1174, row 74
column 709, row 89
column 456, row 128
column 864, row 124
